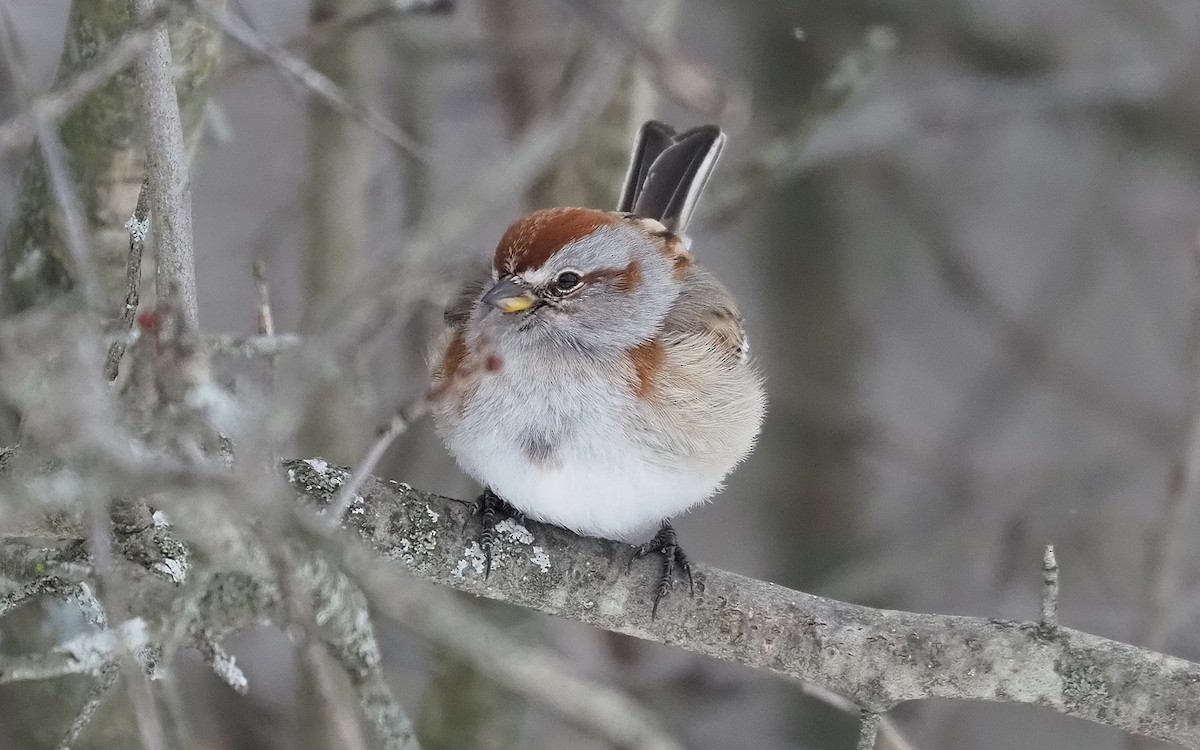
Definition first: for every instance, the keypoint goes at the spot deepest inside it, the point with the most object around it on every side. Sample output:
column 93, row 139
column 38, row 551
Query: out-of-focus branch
column 98, row 121
column 52, row 106
column 876, row 657
column 312, row 79
column 337, row 27
column 104, row 682
column 766, row 167
column 66, row 206
column 889, row 735
column 678, row 78
column 1170, row 538
column 339, row 161
column 251, row 346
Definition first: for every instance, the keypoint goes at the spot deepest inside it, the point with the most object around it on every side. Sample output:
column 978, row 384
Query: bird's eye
column 567, row 280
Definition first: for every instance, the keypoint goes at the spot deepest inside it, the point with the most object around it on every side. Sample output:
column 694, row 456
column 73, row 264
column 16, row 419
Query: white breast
column 564, row 448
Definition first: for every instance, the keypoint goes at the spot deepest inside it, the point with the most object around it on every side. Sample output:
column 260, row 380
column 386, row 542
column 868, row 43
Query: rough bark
column 877, row 657
column 106, row 160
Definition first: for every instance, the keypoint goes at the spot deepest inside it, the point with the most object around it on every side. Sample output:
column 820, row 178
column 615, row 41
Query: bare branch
column 394, row 429
column 223, row 664
column 138, row 225
column 888, row 733
column 678, row 79
column 328, row 31
column 868, row 730
column 70, row 209
column 1171, row 538
column 251, row 346
column 522, row 668
column 166, row 169
column 104, row 682
column 876, row 657
column 1049, row 621
column 313, row 80
column 50, row 107
column 262, row 295
column 86, row 654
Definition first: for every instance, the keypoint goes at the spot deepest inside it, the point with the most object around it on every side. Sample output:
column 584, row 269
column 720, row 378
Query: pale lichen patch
column 514, row 532
column 475, row 558
column 540, row 559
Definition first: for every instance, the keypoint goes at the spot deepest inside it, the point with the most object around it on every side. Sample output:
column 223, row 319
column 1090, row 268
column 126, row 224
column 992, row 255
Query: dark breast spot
column 540, row 448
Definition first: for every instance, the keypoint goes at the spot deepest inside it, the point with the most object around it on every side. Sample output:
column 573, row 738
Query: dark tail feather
column 665, row 182
column 653, row 138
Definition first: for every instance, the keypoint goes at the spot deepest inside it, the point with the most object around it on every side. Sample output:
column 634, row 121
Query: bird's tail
column 668, row 171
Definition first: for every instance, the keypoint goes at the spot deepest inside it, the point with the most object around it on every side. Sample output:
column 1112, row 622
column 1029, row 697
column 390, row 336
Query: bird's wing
column 705, row 308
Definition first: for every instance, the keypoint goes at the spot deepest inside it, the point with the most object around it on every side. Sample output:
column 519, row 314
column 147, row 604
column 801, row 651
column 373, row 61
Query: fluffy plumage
column 599, row 379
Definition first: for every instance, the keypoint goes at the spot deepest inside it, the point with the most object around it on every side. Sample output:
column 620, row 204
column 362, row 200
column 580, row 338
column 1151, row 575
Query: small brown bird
column 600, row 378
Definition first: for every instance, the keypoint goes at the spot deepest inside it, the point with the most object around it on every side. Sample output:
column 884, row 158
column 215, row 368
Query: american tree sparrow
column 599, row 380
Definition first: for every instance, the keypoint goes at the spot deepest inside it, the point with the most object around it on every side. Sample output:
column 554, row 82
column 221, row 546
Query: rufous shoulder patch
column 647, row 360
column 532, row 240
column 452, row 359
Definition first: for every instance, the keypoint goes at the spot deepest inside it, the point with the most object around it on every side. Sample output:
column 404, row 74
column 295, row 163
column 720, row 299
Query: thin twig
column 105, row 679
column 223, row 664
column 313, row 80
column 326, row 32
column 888, row 732
column 237, row 345
column 167, row 169
column 262, row 293
column 1049, row 620
column 138, row 225
column 868, row 730
column 393, row 726
column 265, row 316
column 394, row 429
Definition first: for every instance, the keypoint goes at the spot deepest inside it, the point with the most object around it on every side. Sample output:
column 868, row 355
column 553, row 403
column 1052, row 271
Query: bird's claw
column 665, row 543
column 493, row 509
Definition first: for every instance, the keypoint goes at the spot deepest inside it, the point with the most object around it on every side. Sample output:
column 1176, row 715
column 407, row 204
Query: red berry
column 148, row 321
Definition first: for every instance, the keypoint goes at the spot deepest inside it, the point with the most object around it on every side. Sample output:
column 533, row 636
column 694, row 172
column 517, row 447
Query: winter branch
column 878, row 658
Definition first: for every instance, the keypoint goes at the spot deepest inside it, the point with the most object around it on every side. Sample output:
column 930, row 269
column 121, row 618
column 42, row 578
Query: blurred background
column 964, row 236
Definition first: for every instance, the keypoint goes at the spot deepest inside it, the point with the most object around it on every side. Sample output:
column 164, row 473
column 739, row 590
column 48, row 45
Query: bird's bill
column 508, row 296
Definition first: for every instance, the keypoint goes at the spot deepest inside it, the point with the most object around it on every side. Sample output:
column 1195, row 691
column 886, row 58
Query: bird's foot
column 493, row 509
column 664, row 542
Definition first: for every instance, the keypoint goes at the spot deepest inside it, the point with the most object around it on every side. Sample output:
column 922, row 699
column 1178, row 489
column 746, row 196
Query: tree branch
column 166, row 168
column 878, row 658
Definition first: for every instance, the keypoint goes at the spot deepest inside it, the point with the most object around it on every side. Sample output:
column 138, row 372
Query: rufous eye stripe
column 532, row 240
column 623, row 279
